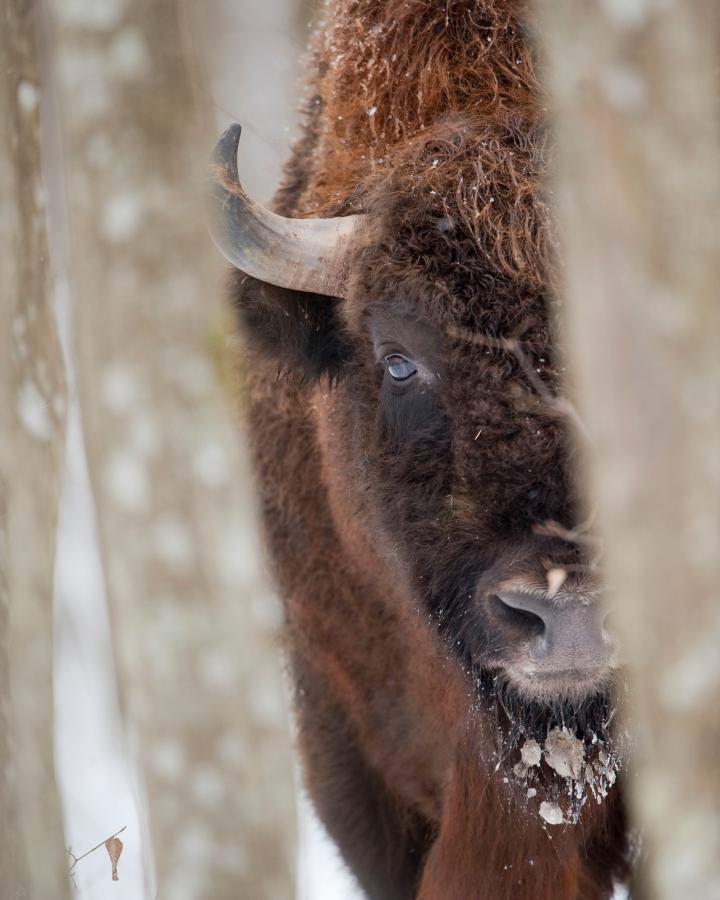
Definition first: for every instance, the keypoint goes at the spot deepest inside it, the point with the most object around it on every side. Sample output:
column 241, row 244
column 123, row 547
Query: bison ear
column 302, row 331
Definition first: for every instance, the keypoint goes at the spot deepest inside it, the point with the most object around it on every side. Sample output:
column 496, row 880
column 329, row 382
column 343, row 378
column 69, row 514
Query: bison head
column 426, row 323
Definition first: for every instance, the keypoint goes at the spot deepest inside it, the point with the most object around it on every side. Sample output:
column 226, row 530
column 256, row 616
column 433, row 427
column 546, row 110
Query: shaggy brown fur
column 390, row 75
column 390, row 511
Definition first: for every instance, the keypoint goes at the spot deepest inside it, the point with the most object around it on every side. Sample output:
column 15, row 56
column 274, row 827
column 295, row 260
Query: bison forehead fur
column 399, row 509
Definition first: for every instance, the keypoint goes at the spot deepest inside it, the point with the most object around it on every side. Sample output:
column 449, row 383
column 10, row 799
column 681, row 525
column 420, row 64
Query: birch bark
column 638, row 192
column 33, row 862
column 194, row 621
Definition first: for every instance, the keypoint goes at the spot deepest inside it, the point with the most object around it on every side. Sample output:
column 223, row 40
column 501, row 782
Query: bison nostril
column 523, row 620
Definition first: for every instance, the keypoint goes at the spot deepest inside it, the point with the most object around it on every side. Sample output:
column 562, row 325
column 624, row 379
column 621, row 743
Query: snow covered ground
column 95, row 775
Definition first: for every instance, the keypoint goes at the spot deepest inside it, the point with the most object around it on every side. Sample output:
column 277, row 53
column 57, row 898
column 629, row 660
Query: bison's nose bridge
column 572, row 635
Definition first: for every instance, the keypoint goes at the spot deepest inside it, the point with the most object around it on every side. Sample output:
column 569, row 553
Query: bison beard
column 451, row 707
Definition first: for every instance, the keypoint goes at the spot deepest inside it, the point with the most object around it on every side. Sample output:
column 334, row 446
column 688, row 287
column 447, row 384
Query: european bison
column 453, row 680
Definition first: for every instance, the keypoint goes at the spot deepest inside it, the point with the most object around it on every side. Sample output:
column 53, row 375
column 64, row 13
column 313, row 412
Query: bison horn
column 302, row 254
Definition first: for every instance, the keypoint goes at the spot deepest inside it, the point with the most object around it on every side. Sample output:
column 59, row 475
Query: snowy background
column 255, row 81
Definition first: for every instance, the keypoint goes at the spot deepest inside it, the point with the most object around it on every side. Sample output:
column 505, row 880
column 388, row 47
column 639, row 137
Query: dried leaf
column 114, row 848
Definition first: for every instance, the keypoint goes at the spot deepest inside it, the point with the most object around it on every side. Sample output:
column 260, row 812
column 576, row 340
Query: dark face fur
column 452, row 405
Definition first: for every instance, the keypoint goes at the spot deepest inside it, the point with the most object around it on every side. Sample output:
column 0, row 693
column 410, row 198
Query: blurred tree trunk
column 193, row 619
column 636, row 93
column 33, row 861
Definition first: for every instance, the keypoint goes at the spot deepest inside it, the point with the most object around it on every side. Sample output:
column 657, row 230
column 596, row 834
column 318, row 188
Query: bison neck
column 489, row 846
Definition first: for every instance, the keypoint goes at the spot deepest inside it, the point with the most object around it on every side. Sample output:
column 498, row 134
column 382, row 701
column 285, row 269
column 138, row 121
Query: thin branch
column 76, row 859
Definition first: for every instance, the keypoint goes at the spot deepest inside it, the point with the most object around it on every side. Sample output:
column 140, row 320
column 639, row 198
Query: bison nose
column 563, row 634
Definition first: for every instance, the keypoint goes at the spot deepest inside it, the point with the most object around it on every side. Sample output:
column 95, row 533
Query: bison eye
column 399, row 368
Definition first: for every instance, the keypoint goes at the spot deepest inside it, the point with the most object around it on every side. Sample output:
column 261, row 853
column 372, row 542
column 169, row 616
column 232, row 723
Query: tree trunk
column 638, row 189
column 33, row 861
column 194, row 621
